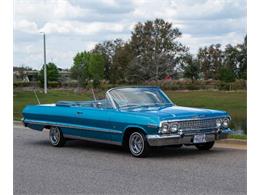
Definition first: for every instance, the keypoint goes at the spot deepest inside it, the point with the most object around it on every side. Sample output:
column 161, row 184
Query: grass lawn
column 234, row 102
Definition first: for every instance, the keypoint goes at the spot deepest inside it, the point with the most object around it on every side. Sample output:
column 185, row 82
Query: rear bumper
column 175, row 139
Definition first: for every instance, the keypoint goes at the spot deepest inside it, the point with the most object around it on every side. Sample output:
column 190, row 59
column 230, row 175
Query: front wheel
column 205, row 146
column 56, row 137
column 138, row 145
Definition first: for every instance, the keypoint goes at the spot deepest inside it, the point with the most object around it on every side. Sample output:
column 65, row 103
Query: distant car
column 135, row 117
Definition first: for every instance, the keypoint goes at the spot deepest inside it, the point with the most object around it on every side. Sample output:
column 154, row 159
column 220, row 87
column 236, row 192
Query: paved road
column 90, row 168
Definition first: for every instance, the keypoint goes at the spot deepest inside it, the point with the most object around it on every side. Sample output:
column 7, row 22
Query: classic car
column 137, row 118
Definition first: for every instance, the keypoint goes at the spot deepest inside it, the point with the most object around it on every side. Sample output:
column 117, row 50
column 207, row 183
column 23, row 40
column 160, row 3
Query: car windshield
column 139, row 97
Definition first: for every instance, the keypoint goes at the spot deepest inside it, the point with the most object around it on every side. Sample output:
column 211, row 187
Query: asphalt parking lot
column 89, row 168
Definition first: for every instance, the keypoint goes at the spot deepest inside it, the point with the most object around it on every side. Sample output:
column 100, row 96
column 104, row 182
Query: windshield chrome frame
column 112, row 101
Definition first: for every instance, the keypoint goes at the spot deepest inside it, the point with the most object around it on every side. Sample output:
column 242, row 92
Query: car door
column 94, row 123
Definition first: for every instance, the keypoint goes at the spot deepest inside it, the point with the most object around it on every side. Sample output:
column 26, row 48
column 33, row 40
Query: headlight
column 225, row 122
column 165, row 128
column 174, row 128
column 218, row 122
column 169, row 128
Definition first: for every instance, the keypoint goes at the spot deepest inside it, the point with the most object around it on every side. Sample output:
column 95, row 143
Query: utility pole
column 45, row 66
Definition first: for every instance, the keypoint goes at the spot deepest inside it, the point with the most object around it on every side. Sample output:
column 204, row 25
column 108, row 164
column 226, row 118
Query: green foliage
column 156, row 50
column 242, row 58
column 210, row 60
column 19, row 84
column 96, row 66
column 52, row 73
column 154, row 53
column 54, row 84
column 121, row 60
column 191, row 70
column 87, row 66
column 231, row 61
column 224, row 86
column 227, row 75
column 79, row 70
column 108, row 50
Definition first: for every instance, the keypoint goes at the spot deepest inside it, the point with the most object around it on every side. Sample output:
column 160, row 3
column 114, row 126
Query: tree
column 79, row 70
column 96, row 67
column 52, row 73
column 226, row 74
column 86, row 66
column 230, row 70
column 121, row 60
column 210, row 60
column 242, row 58
column 191, row 70
column 156, row 50
column 108, row 50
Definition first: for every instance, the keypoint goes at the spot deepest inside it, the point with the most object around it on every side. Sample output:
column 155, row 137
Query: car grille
column 197, row 124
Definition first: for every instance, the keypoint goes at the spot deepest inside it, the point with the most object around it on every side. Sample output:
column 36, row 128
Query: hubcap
column 54, row 135
column 136, row 143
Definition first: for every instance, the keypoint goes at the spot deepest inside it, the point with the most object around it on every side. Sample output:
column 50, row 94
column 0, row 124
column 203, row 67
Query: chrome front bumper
column 175, row 139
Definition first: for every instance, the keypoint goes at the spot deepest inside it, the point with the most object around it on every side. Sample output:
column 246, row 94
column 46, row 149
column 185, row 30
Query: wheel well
column 47, row 127
column 128, row 132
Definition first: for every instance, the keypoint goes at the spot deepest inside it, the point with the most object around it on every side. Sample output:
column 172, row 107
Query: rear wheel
column 56, row 137
column 138, row 145
column 205, row 146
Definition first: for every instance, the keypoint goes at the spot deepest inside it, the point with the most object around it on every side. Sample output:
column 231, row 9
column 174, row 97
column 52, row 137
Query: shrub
column 54, row 84
column 70, row 84
column 26, row 84
column 239, row 85
column 224, row 86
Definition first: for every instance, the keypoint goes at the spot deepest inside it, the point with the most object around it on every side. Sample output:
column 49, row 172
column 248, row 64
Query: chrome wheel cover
column 136, row 143
column 54, row 135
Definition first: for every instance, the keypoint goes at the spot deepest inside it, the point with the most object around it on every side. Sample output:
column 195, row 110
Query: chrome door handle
column 79, row 112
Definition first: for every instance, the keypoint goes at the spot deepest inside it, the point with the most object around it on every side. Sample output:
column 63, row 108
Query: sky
column 72, row 26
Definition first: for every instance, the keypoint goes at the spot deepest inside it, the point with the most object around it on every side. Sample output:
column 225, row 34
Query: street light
column 45, row 66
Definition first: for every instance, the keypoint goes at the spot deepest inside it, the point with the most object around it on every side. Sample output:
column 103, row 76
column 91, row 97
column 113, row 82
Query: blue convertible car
column 136, row 117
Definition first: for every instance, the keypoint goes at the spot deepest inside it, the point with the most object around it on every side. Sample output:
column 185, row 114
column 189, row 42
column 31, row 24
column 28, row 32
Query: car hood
column 179, row 112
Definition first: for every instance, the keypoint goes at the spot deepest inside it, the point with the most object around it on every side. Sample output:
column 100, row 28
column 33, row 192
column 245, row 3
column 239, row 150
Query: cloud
column 195, row 42
column 76, row 25
column 26, row 26
column 81, row 27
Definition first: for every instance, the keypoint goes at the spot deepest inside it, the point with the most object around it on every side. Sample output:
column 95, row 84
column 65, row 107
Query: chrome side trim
column 71, row 126
column 162, row 136
column 92, row 139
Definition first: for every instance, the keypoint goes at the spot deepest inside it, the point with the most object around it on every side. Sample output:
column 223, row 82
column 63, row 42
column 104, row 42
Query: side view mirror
column 98, row 104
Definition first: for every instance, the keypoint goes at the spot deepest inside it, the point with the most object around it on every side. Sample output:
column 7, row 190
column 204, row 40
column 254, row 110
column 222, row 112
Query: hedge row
column 165, row 84
column 200, row 84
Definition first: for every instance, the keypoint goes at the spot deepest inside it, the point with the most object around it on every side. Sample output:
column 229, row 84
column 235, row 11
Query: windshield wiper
column 156, row 104
column 145, row 105
column 129, row 105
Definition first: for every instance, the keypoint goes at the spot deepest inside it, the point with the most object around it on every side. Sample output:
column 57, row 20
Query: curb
column 17, row 122
column 233, row 141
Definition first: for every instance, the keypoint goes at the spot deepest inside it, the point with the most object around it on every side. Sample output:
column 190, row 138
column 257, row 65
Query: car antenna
column 93, row 94
column 36, row 96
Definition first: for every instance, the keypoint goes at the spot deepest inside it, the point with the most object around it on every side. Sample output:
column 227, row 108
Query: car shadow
column 95, row 146
column 158, row 152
